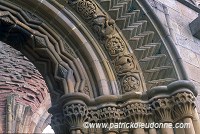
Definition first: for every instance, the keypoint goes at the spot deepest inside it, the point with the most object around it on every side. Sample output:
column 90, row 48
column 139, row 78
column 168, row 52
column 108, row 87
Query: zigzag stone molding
column 124, row 62
column 142, row 37
column 24, row 33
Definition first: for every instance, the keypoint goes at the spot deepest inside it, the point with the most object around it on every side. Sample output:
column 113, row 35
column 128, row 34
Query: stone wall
column 24, row 97
column 176, row 18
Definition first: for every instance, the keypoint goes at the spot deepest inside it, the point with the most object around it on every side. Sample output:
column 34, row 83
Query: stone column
column 196, row 122
column 162, row 110
column 75, row 114
column 183, row 109
column 151, row 120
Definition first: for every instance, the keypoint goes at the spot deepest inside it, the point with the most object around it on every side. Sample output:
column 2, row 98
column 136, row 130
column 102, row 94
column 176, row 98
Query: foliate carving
column 183, row 105
column 136, row 112
column 115, row 46
column 86, row 8
column 104, row 28
column 75, row 114
column 109, row 114
column 162, row 110
column 130, row 82
column 93, row 116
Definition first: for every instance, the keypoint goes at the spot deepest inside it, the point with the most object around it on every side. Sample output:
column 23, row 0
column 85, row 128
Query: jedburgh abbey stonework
column 103, row 61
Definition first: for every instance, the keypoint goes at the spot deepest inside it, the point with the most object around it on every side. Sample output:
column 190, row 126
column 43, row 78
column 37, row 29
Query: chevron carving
column 154, row 62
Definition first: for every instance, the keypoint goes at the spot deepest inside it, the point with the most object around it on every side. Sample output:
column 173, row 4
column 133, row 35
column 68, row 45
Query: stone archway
column 23, row 92
column 99, row 67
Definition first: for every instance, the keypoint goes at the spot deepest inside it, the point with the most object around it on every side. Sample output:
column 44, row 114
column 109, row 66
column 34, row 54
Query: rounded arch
column 47, row 50
column 88, row 51
column 95, row 56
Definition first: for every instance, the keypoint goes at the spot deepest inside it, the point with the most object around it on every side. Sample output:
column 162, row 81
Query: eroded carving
column 103, row 27
column 130, row 82
column 115, row 46
column 86, row 8
column 109, row 114
column 124, row 64
column 136, row 112
column 162, row 110
column 183, row 105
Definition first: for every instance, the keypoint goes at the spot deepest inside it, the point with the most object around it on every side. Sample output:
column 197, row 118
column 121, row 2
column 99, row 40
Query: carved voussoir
column 104, row 28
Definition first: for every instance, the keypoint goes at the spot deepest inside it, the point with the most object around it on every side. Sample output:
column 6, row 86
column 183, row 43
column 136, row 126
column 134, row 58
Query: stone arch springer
column 98, row 85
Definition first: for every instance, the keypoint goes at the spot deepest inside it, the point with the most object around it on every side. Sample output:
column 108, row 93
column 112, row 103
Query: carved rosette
column 104, row 29
column 136, row 112
column 183, row 105
column 130, row 82
column 86, row 8
column 161, row 108
column 75, row 115
column 58, row 123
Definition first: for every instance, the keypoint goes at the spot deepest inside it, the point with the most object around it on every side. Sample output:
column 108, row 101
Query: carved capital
column 136, row 112
column 183, row 105
column 161, row 108
column 109, row 114
column 75, row 114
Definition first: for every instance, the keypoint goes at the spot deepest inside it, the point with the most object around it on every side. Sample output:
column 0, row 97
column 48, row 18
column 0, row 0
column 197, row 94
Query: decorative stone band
column 124, row 62
column 131, row 107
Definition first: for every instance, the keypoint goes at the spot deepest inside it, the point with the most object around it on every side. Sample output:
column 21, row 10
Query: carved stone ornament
column 136, row 112
column 183, row 105
column 162, row 110
column 124, row 64
column 104, row 28
column 109, row 114
column 115, row 46
column 130, row 82
column 75, row 115
column 86, row 8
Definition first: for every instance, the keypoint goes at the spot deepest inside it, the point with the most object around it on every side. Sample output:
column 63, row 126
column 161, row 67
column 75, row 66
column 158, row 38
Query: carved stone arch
column 98, row 59
column 50, row 53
